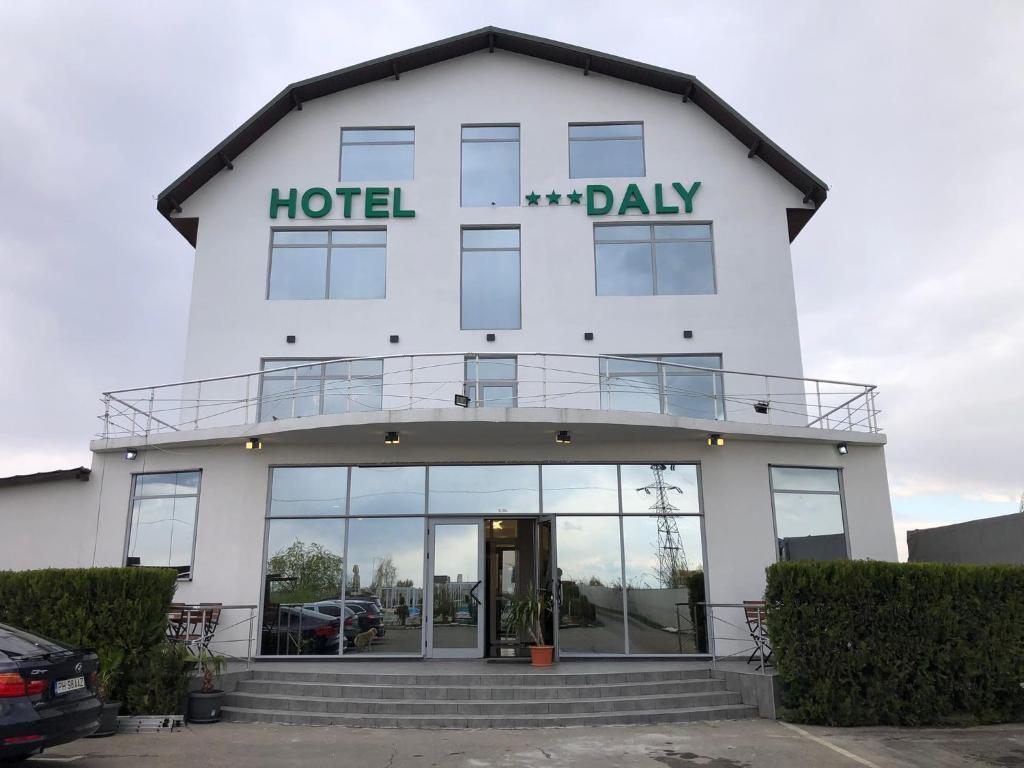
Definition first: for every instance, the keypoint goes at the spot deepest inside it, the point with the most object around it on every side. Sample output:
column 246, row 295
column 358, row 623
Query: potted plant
column 527, row 614
column 204, row 705
column 106, row 680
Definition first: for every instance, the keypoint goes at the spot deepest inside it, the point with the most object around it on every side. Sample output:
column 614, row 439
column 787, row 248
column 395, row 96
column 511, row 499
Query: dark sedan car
column 47, row 694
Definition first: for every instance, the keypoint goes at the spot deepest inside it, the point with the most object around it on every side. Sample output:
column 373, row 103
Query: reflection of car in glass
column 47, row 694
column 367, row 612
column 294, row 628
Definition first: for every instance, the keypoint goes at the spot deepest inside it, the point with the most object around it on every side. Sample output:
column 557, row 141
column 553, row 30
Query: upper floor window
column 603, row 150
column 653, row 259
column 162, row 528
column 490, row 165
column 647, row 384
column 327, row 264
column 310, row 387
column 490, row 279
column 377, row 154
column 809, row 520
column 491, row 381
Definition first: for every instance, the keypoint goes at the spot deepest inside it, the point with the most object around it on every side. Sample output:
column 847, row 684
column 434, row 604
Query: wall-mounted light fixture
column 254, row 444
column 462, row 401
column 761, row 406
column 391, row 438
column 130, row 454
column 715, row 440
column 563, row 437
column 843, row 449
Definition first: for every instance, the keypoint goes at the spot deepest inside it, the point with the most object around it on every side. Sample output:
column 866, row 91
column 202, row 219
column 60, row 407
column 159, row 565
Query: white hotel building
column 594, row 253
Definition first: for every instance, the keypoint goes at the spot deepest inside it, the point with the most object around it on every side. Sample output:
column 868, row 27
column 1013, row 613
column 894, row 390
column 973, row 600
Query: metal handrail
column 713, row 635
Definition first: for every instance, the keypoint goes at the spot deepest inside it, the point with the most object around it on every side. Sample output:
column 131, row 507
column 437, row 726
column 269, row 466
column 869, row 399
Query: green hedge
column 865, row 643
column 121, row 613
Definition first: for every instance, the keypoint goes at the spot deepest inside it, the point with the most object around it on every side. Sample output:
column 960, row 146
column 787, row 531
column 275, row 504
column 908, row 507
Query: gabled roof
column 689, row 88
column 78, row 473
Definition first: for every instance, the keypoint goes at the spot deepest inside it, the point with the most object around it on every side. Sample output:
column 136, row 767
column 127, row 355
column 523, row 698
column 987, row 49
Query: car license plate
column 69, row 685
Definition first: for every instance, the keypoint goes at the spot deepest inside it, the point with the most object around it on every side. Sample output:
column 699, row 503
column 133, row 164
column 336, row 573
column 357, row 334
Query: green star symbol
column 574, row 197
column 553, row 198
column 532, row 198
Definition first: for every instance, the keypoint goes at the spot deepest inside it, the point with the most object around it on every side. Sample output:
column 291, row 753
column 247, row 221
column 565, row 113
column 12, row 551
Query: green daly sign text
column 601, row 199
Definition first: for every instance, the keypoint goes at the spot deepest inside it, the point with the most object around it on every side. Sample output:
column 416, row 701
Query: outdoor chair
column 755, row 613
column 193, row 625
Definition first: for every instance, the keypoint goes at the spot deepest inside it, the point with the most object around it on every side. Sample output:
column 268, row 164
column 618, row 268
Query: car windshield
column 18, row 642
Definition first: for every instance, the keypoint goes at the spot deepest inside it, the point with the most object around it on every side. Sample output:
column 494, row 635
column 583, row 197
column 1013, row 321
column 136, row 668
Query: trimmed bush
column 121, row 613
column 868, row 643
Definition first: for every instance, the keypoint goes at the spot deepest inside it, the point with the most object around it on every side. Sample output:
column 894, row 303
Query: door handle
column 472, row 593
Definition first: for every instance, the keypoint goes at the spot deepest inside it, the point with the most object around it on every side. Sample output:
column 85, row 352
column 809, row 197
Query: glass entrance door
column 455, row 610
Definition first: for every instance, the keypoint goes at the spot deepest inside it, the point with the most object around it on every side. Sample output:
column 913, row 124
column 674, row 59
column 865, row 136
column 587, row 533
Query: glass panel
column 613, row 365
column 388, row 490
column 283, row 398
column 606, row 130
column 810, row 526
column 304, row 569
column 494, row 491
column 298, row 273
column 301, row 237
column 384, row 585
column 370, row 135
column 490, row 238
column 590, row 585
column 580, row 488
column 457, row 571
column 631, row 393
column 682, row 232
column 367, row 368
column 492, row 368
column 700, row 361
column 359, row 236
column 357, row 273
column 622, row 232
column 271, row 365
column 640, row 483
column 490, row 289
column 624, row 270
column 694, row 395
column 352, row 396
column 490, row 173
column 308, row 491
column 377, row 162
column 805, row 479
column 167, row 484
column 597, row 159
column 497, row 397
column 507, row 132
column 162, row 532
column 664, row 557
column 685, row 268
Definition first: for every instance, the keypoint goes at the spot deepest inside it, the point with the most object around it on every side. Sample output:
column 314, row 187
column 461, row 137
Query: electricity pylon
column 671, row 555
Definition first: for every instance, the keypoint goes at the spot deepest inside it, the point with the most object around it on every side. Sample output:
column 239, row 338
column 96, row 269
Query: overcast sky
column 911, row 276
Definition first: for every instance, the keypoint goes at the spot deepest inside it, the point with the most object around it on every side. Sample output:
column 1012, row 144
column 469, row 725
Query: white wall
column 751, row 321
column 48, row 525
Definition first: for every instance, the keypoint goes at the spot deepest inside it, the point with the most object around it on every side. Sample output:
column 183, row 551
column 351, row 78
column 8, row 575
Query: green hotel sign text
column 316, row 202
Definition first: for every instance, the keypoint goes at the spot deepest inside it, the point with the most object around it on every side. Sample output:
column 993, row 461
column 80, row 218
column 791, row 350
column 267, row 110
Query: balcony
column 287, row 393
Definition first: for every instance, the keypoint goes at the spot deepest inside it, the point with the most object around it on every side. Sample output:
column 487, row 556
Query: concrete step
column 492, row 708
column 632, row 717
column 508, row 679
column 477, row 692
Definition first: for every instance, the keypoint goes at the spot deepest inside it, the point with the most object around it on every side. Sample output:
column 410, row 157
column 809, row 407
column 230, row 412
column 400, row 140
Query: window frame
column 842, row 502
column 478, row 384
column 519, row 165
column 341, row 146
column 329, row 246
column 661, row 377
column 585, row 123
column 323, row 379
column 462, row 270
column 133, row 497
column 652, row 242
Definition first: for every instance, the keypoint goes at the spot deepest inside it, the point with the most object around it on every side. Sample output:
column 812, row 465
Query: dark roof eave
column 687, row 86
column 78, row 473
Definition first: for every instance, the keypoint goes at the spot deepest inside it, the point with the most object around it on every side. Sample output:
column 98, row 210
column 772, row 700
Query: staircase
column 483, row 700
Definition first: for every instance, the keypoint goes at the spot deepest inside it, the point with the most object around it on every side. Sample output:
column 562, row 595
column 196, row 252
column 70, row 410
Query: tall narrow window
column 163, row 520
column 490, row 279
column 377, row 154
column 809, row 521
column 491, row 381
column 328, row 264
column 490, row 165
column 605, row 150
column 653, row 259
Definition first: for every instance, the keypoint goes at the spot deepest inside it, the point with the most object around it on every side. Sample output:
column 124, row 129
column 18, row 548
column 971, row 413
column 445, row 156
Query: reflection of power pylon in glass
column 671, row 555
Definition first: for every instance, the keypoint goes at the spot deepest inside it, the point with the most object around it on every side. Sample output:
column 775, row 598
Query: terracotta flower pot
column 542, row 655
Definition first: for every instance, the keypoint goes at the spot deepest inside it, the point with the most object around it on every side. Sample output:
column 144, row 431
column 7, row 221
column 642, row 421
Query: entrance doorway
column 476, row 568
